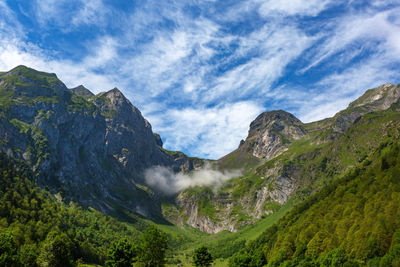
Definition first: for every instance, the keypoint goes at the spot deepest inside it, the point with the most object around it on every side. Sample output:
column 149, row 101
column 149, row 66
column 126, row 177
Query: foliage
column 121, row 254
column 149, row 251
column 350, row 222
column 202, row 257
column 32, row 216
column 80, row 104
column 8, row 250
column 152, row 247
column 55, row 251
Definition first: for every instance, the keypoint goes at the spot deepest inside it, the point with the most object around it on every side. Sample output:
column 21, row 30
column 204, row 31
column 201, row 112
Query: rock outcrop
column 271, row 132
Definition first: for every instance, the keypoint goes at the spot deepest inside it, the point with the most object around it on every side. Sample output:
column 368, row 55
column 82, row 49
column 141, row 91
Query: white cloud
column 361, row 30
column 276, row 47
column 292, row 7
column 168, row 182
column 67, row 14
column 175, row 57
column 213, row 131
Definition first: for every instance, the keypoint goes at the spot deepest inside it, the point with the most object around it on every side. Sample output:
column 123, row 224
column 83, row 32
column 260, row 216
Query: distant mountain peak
column 381, row 97
column 115, row 91
column 82, row 91
column 272, row 118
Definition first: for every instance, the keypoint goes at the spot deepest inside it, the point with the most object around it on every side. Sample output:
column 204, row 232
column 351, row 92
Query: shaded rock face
column 92, row 149
column 271, row 132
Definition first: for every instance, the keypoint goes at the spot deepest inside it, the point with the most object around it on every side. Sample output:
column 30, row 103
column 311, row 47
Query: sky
column 201, row 70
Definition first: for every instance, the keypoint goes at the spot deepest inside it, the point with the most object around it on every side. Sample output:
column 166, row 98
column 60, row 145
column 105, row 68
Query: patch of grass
column 80, row 104
column 23, row 127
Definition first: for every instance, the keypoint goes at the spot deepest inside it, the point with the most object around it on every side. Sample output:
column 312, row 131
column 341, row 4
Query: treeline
column 355, row 221
column 36, row 230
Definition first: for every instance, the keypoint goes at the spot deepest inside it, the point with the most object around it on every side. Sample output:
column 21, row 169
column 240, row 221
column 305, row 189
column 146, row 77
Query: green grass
column 23, row 127
column 80, row 104
column 5, row 99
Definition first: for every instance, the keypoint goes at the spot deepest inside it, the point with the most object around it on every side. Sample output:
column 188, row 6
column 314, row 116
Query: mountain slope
column 355, row 220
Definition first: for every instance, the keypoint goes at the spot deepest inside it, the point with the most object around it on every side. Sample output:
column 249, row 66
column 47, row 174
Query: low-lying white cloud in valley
column 166, row 181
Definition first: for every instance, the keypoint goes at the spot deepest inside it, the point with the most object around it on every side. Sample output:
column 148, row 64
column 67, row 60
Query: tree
column 27, row 255
column 202, row 257
column 8, row 250
column 121, row 254
column 153, row 244
column 55, row 251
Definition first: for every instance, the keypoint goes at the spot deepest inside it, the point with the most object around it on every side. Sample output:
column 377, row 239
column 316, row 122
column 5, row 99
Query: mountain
column 269, row 136
column 310, row 194
column 284, row 159
column 89, row 148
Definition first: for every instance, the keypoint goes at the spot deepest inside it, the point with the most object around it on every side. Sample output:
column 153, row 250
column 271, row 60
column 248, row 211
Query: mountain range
column 98, row 152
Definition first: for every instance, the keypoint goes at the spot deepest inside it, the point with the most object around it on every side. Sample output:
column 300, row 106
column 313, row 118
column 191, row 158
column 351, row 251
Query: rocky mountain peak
column 92, row 150
column 82, row 91
column 274, row 120
column 271, row 132
column 381, row 97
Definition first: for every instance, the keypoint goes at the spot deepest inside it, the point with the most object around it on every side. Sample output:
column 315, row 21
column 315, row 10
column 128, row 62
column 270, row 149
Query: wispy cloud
column 67, row 14
column 212, row 132
column 202, row 71
column 371, row 31
column 276, row 46
column 166, row 181
column 292, row 7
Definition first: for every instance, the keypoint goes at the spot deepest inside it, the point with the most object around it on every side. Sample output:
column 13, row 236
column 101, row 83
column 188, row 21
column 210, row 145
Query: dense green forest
column 36, row 229
column 355, row 221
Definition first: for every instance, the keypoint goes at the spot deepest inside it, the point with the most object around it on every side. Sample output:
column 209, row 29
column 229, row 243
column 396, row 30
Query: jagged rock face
column 271, row 131
column 128, row 136
column 92, row 151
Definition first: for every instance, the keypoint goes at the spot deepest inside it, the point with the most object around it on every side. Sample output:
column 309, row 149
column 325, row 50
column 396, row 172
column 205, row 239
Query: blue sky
column 201, row 71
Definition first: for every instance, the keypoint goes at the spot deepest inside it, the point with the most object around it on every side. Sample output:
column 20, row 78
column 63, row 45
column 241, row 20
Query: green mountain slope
column 356, row 219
